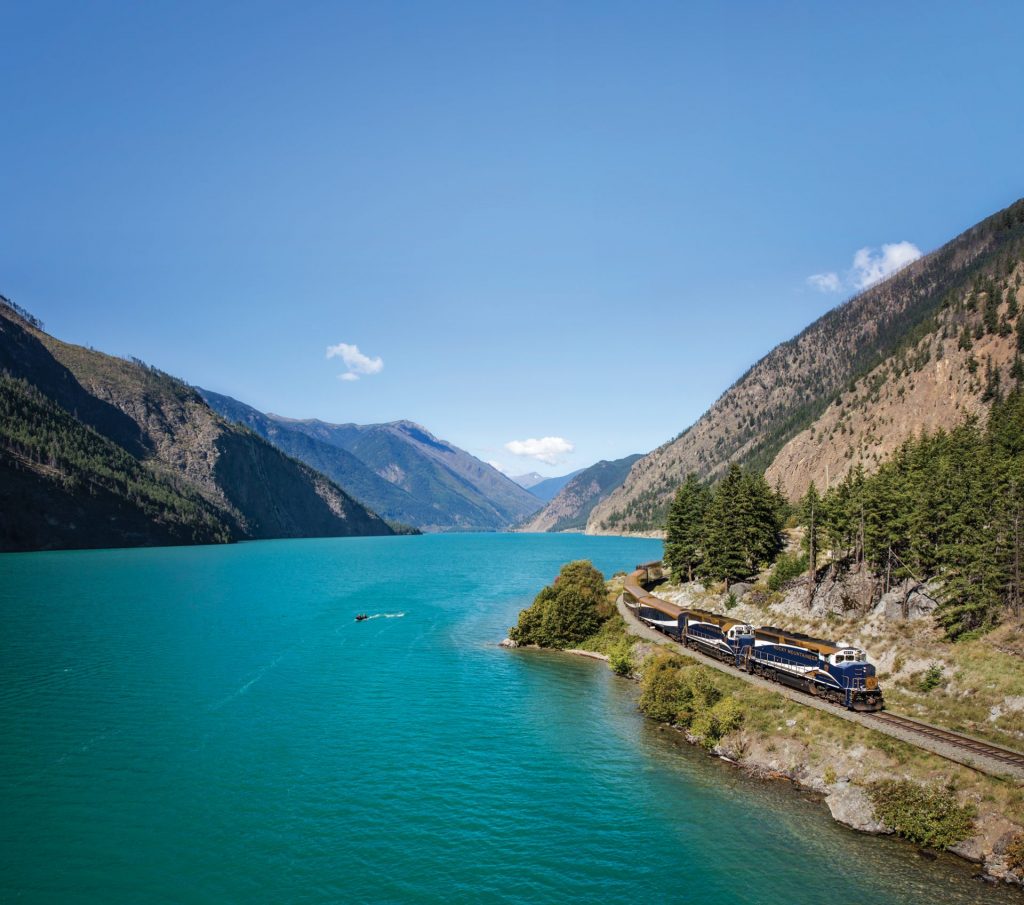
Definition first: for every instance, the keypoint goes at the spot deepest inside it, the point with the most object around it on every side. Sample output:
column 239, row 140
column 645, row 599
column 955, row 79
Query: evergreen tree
column 742, row 526
column 685, row 528
column 725, row 559
column 811, row 518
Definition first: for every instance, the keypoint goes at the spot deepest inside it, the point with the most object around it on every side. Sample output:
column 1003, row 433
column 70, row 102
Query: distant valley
column 577, row 494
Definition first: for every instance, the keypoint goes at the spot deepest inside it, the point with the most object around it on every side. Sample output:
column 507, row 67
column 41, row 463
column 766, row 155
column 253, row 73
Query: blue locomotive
column 838, row 673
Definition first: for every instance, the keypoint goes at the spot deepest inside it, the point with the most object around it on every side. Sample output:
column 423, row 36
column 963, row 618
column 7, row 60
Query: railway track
column 932, row 738
column 972, row 745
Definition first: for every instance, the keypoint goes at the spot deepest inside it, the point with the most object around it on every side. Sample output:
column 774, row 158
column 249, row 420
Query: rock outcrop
column 851, row 806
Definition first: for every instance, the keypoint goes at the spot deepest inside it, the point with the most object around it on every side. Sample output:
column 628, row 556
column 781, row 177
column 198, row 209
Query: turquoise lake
column 210, row 724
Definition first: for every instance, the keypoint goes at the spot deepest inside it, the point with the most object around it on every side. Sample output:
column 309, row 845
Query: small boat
column 361, row 617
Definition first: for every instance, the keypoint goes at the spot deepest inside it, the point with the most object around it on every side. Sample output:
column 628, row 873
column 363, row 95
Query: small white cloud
column 871, row 266
column 356, row 362
column 498, row 466
column 545, row 449
column 825, row 282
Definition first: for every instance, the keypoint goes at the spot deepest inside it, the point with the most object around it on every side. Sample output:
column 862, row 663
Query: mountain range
column 398, row 469
column 104, row 451
column 547, row 489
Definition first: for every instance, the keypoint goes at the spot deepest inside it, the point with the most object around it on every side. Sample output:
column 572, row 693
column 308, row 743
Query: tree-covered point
column 726, row 533
column 567, row 611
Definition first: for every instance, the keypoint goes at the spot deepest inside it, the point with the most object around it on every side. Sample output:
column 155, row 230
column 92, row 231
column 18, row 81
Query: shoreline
column 846, row 800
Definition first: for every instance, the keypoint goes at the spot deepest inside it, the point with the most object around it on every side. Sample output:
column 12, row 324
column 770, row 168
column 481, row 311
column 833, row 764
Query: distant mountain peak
column 527, row 480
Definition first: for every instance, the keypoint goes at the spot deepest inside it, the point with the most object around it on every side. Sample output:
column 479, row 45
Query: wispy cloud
column 498, row 467
column 544, row 449
column 825, row 282
column 356, row 362
column 870, row 266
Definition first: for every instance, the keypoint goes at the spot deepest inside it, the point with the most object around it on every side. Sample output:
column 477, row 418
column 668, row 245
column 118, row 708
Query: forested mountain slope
column 790, row 388
column 570, row 508
column 100, row 451
column 956, row 370
column 399, row 469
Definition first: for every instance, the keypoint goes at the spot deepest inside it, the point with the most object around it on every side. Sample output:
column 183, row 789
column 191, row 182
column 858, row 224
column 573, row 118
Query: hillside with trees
column 950, row 312
column 953, row 367
column 946, row 511
column 104, row 451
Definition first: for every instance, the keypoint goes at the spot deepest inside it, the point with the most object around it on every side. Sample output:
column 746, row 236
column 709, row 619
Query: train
column 838, row 673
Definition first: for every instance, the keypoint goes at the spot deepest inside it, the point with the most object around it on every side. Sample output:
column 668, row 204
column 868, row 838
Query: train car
column 840, row 674
column 650, row 573
column 727, row 639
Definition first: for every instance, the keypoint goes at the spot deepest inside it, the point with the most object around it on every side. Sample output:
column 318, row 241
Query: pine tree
column 810, row 516
column 725, row 559
column 685, row 528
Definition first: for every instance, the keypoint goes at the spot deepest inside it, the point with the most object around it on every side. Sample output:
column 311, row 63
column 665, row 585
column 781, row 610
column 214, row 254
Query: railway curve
column 970, row 752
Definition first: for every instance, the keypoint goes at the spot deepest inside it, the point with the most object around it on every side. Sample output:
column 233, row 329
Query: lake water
column 211, row 725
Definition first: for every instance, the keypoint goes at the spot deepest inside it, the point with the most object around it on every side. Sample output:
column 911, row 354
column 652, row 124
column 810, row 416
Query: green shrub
column 730, row 601
column 674, row 692
column 931, row 679
column 830, row 775
column 787, row 567
column 712, row 725
column 620, row 659
column 928, row 816
column 566, row 611
column 662, row 694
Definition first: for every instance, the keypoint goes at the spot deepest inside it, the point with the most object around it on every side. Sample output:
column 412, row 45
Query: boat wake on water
column 364, row 618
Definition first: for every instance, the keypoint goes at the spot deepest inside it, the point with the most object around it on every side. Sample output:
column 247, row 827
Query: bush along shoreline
column 870, row 782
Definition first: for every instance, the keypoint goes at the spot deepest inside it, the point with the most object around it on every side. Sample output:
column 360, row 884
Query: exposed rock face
column 792, row 386
column 892, row 403
column 240, row 486
column 988, row 845
column 851, row 806
column 908, row 600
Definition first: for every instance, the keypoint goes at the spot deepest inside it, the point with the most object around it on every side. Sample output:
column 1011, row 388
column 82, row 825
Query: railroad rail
column 948, row 737
column 932, row 738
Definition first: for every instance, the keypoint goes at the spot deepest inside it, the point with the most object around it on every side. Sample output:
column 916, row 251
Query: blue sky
column 509, row 221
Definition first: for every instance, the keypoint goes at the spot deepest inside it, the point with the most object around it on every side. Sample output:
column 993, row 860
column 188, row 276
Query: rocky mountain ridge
column 786, row 392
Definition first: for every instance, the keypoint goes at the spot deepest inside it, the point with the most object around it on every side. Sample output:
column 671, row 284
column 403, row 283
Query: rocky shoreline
column 772, row 758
